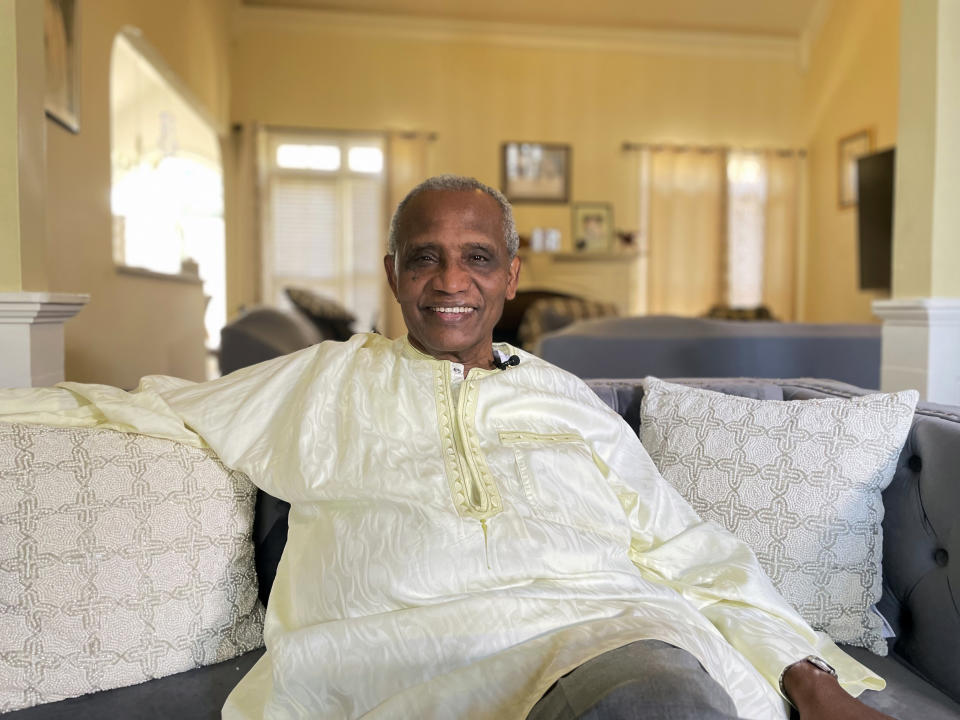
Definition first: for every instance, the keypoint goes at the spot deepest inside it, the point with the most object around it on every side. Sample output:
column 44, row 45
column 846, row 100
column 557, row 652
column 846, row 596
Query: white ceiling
column 777, row 18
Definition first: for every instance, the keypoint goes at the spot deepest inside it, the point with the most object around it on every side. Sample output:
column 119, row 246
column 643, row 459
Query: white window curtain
column 682, row 203
column 782, row 261
column 720, row 229
column 242, row 187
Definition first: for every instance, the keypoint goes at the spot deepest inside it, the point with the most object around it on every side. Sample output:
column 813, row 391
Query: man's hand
column 818, row 696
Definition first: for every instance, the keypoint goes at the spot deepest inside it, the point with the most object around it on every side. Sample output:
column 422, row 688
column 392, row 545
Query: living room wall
column 851, row 84
column 133, row 325
column 475, row 95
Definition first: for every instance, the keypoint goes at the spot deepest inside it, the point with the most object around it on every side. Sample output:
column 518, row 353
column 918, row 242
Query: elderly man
column 475, row 537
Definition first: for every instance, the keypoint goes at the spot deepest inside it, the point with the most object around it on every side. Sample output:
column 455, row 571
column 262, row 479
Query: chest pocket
column 564, row 481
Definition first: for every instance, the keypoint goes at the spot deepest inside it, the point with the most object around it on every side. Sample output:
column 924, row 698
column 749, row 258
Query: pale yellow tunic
column 451, row 558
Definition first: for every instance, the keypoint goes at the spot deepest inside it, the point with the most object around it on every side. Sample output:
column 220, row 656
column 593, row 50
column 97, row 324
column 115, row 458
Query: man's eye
column 479, row 259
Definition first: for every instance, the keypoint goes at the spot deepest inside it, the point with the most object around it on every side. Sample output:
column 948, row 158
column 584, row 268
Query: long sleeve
column 252, row 419
column 70, row 404
column 259, row 419
column 716, row 572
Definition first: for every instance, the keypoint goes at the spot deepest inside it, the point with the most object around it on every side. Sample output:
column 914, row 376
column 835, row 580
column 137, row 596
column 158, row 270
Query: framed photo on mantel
column 535, row 172
column 592, row 227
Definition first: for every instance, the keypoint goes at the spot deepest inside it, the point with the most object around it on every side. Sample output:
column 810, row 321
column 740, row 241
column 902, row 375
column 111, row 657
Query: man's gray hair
column 457, row 183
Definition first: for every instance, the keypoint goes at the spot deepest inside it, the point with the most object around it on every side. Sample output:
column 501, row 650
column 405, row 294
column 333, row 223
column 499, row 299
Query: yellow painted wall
column 851, row 84
column 946, row 222
column 133, row 325
column 476, row 96
column 926, row 252
column 22, row 261
column 10, row 278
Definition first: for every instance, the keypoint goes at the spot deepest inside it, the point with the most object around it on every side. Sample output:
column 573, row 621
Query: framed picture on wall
column 535, row 172
column 849, row 149
column 60, row 38
column 592, row 227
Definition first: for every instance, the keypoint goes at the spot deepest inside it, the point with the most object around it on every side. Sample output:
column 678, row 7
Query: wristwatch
column 817, row 662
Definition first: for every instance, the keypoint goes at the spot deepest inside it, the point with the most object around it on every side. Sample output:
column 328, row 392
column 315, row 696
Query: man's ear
column 391, row 269
column 513, row 278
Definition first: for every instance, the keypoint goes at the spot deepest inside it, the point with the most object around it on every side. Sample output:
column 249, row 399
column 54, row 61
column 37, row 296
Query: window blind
column 306, row 223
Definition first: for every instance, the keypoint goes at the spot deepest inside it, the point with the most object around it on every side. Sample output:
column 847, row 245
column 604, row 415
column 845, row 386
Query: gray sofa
column 921, row 583
column 669, row 346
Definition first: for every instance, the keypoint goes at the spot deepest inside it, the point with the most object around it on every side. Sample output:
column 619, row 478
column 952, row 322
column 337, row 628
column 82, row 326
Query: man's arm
column 253, row 418
column 818, row 696
column 721, row 577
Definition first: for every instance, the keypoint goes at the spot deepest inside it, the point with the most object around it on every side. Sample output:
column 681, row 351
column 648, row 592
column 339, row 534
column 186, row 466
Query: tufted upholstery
column 921, row 547
column 921, row 543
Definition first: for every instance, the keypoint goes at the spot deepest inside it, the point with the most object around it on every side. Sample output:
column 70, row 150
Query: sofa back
column 667, row 346
column 921, row 586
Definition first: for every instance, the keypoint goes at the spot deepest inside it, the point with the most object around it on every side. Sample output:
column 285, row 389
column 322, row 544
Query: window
column 746, row 210
column 720, row 227
column 167, row 177
column 323, row 219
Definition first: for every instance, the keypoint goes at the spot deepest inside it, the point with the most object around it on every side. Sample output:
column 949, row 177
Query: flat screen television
column 875, row 178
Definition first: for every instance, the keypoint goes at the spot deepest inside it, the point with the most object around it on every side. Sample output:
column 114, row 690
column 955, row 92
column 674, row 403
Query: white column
column 921, row 324
column 921, row 347
column 31, row 336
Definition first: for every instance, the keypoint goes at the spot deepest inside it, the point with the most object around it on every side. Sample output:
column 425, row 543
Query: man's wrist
column 807, row 679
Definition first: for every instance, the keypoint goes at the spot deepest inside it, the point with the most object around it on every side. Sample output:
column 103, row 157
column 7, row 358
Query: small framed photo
column 849, row 149
column 60, row 38
column 535, row 172
column 592, row 227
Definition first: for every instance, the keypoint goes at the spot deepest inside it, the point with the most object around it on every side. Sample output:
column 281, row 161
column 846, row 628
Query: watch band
column 817, row 662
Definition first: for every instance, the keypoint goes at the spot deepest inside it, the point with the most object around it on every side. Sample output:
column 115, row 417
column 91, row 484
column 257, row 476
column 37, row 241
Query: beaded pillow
column 122, row 558
column 799, row 481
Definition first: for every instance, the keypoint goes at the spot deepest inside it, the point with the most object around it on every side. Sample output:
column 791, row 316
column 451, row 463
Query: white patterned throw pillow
column 122, row 558
column 799, row 481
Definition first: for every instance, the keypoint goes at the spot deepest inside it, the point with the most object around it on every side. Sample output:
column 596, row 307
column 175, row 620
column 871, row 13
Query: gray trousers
column 648, row 679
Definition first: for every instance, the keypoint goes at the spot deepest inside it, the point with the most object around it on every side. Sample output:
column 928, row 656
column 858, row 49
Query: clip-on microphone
column 506, row 362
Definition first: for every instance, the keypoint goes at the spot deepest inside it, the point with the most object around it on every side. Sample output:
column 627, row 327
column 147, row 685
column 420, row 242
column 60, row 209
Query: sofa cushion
column 907, row 695
column 330, row 317
column 800, row 482
column 122, row 558
column 197, row 694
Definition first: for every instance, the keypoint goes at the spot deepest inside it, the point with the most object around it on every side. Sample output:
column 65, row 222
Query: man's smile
column 451, row 310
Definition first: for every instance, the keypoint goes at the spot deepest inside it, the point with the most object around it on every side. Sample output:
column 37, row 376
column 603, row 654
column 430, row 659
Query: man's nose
column 452, row 277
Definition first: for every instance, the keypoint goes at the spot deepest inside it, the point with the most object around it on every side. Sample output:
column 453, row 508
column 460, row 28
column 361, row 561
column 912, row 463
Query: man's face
column 452, row 274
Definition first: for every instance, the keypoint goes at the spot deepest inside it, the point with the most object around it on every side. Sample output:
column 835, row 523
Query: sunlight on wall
column 167, row 186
